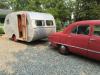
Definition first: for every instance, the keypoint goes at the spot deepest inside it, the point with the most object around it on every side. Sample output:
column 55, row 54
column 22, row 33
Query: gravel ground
column 36, row 58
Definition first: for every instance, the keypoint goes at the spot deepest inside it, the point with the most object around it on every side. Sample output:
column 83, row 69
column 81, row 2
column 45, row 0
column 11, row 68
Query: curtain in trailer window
column 49, row 22
column 40, row 23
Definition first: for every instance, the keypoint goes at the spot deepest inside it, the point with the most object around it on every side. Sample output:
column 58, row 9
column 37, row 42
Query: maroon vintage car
column 81, row 37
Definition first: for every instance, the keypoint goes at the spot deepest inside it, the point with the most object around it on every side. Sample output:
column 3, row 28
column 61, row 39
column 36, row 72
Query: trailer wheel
column 14, row 37
column 63, row 50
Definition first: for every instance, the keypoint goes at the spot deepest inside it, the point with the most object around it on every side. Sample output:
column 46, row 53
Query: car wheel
column 63, row 50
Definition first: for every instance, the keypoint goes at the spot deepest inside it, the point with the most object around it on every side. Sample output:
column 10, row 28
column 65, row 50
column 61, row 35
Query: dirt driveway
column 36, row 58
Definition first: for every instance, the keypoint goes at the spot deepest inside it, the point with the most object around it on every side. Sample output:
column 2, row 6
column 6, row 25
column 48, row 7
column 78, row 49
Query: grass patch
column 1, row 31
column 1, row 27
column 1, row 24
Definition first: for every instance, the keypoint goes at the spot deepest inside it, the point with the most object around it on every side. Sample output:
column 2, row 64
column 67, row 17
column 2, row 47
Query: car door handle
column 92, row 39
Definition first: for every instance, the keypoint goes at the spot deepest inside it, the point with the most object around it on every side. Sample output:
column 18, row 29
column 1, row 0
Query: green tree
column 4, row 4
column 62, row 10
column 31, row 5
column 59, row 9
column 87, row 10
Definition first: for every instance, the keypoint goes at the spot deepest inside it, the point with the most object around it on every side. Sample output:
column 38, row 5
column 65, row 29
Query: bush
column 1, row 24
column 2, row 18
column 1, row 31
column 58, row 24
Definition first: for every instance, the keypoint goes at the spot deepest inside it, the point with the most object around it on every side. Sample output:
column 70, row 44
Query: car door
column 80, row 38
column 94, row 43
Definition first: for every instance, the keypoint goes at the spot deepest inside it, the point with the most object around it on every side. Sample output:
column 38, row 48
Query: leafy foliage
column 1, row 31
column 87, row 9
column 2, row 17
column 4, row 4
column 60, row 9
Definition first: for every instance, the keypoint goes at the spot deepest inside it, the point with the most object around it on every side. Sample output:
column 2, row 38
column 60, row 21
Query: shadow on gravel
column 33, row 43
column 2, row 73
column 44, row 42
column 80, row 57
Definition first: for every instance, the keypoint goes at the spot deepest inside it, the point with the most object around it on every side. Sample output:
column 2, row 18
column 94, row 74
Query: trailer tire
column 13, row 38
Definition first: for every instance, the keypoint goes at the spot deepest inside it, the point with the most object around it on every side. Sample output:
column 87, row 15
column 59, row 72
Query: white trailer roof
column 36, row 15
column 40, row 16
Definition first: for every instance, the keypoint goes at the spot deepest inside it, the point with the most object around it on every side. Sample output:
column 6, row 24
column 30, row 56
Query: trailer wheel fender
column 13, row 37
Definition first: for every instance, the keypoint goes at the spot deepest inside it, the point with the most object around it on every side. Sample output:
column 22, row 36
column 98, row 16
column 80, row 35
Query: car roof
column 90, row 22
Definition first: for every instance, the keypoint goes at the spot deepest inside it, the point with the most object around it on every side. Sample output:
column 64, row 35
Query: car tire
column 63, row 50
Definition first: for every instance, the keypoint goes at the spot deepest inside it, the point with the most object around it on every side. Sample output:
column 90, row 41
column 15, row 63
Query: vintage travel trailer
column 29, row 26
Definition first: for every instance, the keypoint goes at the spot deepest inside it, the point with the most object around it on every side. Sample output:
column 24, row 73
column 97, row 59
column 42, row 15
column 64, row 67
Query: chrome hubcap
column 63, row 47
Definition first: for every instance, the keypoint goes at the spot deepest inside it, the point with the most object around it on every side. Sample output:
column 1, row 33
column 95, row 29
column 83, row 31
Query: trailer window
column 49, row 22
column 39, row 22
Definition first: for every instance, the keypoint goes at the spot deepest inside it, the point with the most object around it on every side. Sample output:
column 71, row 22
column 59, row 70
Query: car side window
column 75, row 30
column 97, row 30
column 81, row 29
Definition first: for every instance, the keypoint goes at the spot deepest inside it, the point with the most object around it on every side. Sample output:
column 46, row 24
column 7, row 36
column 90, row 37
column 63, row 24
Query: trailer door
column 22, row 26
